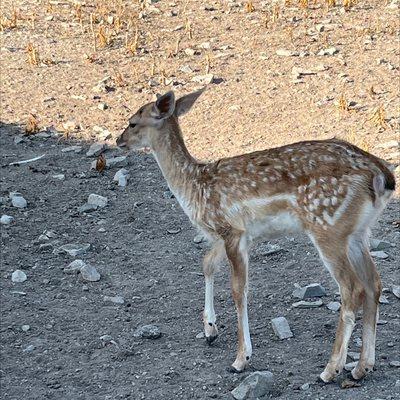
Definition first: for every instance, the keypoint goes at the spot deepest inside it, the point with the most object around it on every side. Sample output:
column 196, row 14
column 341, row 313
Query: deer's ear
column 165, row 105
column 185, row 103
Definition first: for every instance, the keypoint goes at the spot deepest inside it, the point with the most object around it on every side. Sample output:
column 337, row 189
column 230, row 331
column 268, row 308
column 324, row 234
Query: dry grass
column 32, row 125
column 33, row 54
column 378, row 118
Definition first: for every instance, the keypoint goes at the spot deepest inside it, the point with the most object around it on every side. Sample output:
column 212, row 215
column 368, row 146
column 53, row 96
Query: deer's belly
column 273, row 226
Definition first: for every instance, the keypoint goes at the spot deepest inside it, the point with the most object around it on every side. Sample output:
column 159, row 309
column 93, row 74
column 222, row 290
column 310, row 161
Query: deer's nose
column 120, row 142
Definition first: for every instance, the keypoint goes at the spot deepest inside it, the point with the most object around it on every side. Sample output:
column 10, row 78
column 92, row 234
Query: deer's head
column 149, row 120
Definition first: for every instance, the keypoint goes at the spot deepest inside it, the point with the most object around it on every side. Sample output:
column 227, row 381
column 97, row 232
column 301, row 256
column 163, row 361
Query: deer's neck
column 176, row 163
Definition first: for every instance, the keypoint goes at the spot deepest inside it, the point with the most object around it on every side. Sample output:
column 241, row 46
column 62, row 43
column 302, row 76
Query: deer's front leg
column 209, row 265
column 236, row 250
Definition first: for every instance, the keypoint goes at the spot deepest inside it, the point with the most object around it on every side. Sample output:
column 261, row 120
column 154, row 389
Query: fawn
column 329, row 189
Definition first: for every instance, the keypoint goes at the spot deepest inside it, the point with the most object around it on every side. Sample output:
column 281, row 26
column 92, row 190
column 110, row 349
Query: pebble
column 60, row 177
column 286, row 53
column 312, row 290
column 395, row 364
column 89, row 273
column 25, row 328
column 17, row 200
column 330, row 51
column 378, row 245
column 200, row 335
column 198, row 238
column 383, row 300
column 87, row 208
column 97, row 200
column 69, row 149
column 350, row 366
column 268, row 249
column 333, row 306
column 121, row 176
column 74, row 267
column 18, row 276
column 305, row 386
column 96, row 149
column 354, row 355
column 307, row 304
column 74, row 249
column 254, row 386
column 18, row 139
column 114, row 299
column 29, row 348
column 6, row 219
column 148, row 332
column 396, row 291
column 203, row 79
column 102, row 106
column 379, row 254
column 281, row 328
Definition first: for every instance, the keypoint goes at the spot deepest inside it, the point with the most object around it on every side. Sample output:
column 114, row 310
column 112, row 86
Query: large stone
column 74, row 267
column 6, row 219
column 17, row 200
column 96, row 149
column 114, row 299
column 281, row 328
column 312, row 290
column 121, row 176
column 255, row 386
column 379, row 245
column 333, row 306
column 97, row 200
column 148, row 332
column 74, row 249
column 18, row 276
column 396, row 291
column 379, row 254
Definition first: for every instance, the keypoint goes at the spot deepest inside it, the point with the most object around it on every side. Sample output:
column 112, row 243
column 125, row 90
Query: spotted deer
column 328, row 189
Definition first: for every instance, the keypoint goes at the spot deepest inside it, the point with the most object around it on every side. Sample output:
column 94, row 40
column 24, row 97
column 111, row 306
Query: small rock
column 353, row 355
column 17, row 200
column 60, row 177
column 114, row 299
column 74, row 267
column 186, row 69
column 319, row 27
column 203, row 79
column 18, row 139
column 383, row 300
column 200, row 335
column 190, row 52
column 396, row 291
column 328, row 52
column 148, row 332
column 312, row 290
column 69, row 149
column 268, row 249
column 174, row 231
column 198, row 238
column 45, row 247
column 379, row 245
column 121, row 176
column 350, row 366
column 333, row 306
column 97, row 200
column 71, row 125
column 305, row 386
column 29, row 348
column 89, row 273
column 25, row 328
column 86, row 208
column 307, row 304
column 107, row 339
column 96, row 149
column 255, row 386
column 395, row 364
column 6, row 219
column 281, row 328
column 379, row 254
column 18, row 276
column 102, row 106
column 74, row 249
column 286, row 53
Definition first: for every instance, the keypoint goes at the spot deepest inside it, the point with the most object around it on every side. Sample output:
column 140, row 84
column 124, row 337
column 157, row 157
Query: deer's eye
column 132, row 125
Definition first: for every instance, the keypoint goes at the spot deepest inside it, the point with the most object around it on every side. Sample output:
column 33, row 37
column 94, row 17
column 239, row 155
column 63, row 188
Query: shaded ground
column 159, row 276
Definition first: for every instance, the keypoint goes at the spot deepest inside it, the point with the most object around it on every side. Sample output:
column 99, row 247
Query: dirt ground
column 256, row 99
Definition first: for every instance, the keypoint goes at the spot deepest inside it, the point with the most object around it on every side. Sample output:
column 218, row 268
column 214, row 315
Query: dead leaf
column 349, row 383
column 101, row 163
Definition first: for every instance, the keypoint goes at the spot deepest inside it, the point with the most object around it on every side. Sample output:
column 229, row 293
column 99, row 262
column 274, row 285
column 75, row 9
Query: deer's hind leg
column 236, row 251
column 210, row 262
column 352, row 292
column 366, row 271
